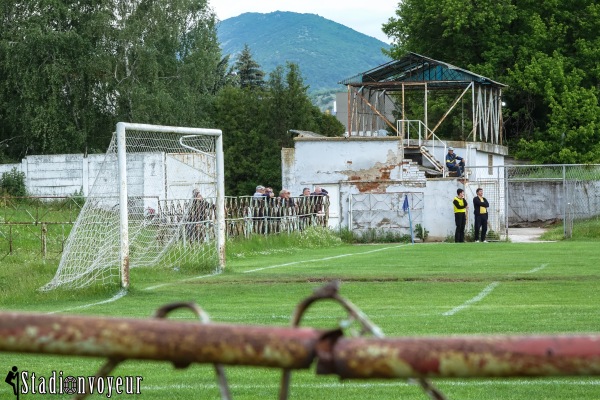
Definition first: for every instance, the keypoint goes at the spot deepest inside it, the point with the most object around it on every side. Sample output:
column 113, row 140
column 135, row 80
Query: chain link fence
column 533, row 195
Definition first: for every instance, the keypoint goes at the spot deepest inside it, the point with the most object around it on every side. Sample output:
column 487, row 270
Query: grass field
column 407, row 290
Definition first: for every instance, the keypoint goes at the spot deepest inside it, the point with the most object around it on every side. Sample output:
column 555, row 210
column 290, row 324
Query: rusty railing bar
column 295, row 348
column 466, row 357
column 181, row 343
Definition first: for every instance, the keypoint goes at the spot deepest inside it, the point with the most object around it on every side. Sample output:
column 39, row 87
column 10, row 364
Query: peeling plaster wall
column 437, row 211
column 335, row 160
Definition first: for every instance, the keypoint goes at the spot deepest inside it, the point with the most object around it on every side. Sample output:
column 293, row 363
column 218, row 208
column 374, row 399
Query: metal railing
column 47, row 221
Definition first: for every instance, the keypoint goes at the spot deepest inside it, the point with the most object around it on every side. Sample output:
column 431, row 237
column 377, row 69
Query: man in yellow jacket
column 460, row 215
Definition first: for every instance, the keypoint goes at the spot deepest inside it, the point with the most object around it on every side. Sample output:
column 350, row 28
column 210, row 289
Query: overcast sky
column 365, row 16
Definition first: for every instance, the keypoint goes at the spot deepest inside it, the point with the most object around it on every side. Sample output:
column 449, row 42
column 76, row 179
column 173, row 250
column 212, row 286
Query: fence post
column 565, row 200
column 44, row 236
column 505, row 176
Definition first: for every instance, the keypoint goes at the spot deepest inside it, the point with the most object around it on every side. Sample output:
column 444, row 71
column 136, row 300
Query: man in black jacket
column 480, row 205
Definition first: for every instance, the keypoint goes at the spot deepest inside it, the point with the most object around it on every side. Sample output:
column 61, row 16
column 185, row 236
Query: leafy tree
column 167, row 62
column 546, row 51
column 248, row 70
column 71, row 70
column 328, row 125
column 49, row 63
column 290, row 107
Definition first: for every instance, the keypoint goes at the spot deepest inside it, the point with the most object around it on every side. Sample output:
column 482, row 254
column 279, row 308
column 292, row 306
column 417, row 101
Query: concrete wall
column 149, row 175
column 549, row 200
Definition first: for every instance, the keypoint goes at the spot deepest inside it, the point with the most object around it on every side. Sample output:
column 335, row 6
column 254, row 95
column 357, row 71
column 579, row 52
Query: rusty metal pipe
column 179, row 342
column 293, row 348
column 493, row 356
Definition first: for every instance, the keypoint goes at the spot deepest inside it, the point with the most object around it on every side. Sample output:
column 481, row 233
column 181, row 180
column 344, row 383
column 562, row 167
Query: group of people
column 285, row 197
column 480, row 210
column 269, row 210
column 262, row 191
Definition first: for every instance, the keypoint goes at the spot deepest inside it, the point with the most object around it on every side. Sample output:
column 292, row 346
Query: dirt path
column 522, row 235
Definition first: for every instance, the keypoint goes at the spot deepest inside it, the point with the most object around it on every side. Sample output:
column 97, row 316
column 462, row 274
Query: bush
column 421, row 232
column 374, row 236
column 13, row 183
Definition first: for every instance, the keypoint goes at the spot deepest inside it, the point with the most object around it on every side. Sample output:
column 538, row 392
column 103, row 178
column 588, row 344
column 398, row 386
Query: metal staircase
column 416, row 131
column 436, row 164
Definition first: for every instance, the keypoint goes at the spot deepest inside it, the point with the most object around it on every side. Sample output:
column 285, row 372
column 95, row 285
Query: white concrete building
column 382, row 160
column 368, row 177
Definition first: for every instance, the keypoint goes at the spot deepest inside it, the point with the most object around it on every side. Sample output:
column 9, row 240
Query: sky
column 364, row 16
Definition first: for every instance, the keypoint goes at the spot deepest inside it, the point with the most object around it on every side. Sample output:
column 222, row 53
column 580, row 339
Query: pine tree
column 248, row 70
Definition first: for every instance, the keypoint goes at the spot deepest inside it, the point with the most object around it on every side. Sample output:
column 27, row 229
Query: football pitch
column 407, row 290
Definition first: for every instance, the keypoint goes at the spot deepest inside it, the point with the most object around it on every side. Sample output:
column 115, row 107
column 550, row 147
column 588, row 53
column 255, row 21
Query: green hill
column 325, row 51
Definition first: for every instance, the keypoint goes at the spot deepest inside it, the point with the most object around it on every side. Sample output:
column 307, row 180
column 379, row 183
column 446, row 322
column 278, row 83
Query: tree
column 256, row 123
column 546, row 51
column 71, row 70
column 49, row 64
column 167, row 63
column 248, row 70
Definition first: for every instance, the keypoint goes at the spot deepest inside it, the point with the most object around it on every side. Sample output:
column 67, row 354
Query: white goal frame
column 169, row 211
column 122, row 128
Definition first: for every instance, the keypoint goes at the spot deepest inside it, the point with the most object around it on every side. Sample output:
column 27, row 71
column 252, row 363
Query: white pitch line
column 183, row 280
column 275, row 266
column 124, row 292
column 541, row 267
column 116, row 297
column 487, row 290
column 322, row 259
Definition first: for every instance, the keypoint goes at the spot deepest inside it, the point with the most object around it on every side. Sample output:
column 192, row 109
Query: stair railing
column 420, row 132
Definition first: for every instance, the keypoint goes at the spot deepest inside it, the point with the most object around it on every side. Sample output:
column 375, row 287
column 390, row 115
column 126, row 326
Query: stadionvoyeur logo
column 28, row 382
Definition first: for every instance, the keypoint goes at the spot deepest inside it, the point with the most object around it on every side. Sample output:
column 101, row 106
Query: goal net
column 157, row 200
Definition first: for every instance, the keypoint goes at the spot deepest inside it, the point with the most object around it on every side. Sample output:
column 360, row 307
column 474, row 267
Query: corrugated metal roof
column 414, row 67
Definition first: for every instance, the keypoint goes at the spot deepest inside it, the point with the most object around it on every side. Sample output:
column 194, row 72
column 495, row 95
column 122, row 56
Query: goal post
column 122, row 128
column 157, row 199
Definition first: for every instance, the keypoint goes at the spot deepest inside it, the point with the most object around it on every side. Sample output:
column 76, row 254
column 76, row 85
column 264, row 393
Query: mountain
column 325, row 51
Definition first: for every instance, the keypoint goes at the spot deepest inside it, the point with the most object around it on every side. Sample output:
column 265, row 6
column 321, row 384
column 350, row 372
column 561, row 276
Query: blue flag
column 405, row 206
